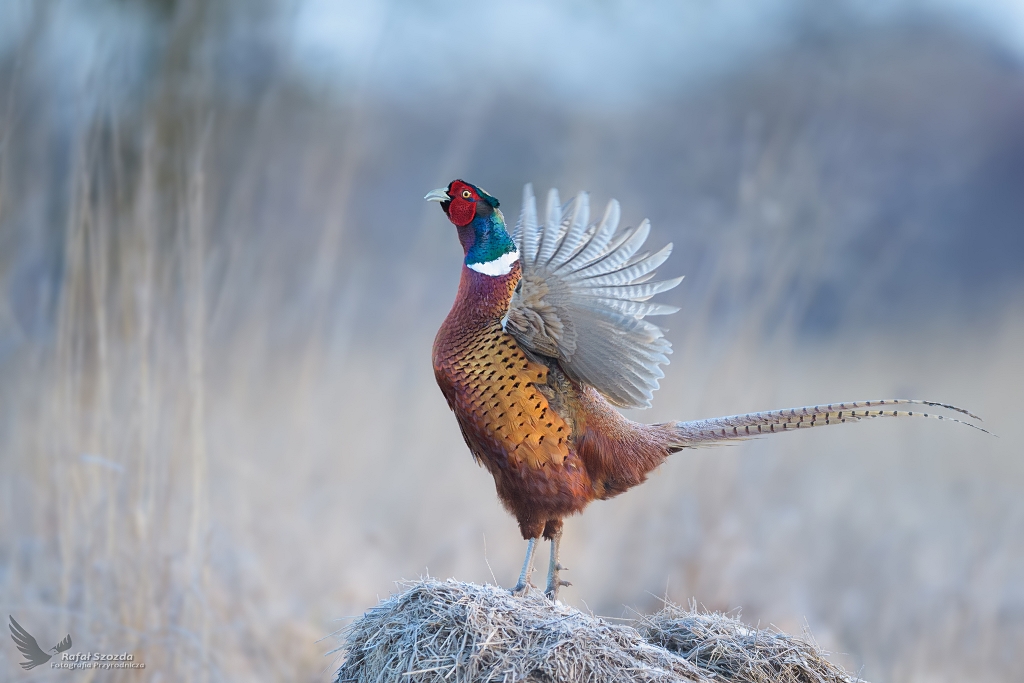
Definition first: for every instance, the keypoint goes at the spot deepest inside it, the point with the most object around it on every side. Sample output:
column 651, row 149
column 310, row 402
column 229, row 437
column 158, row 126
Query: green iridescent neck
column 492, row 251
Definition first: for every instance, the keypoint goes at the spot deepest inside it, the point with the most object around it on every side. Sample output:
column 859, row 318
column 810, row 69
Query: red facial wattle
column 461, row 210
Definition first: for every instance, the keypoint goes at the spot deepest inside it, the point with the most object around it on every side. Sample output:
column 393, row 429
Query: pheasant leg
column 554, row 582
column 524, row 577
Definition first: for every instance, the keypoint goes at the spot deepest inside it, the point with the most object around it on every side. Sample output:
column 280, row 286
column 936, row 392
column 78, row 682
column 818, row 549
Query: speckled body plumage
column 551, row 444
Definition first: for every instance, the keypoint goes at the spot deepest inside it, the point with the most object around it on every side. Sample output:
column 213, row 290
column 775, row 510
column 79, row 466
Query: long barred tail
column 751, row 425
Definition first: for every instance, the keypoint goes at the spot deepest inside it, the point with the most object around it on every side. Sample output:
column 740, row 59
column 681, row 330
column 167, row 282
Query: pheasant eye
column 466, row 194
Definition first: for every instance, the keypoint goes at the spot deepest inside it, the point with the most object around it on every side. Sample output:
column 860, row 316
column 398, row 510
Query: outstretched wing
column 27, row 645
column 584, row 294
column 64, row 645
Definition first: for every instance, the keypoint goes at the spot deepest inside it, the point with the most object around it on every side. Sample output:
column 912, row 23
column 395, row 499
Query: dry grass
column 727, row 649
column 455, row 631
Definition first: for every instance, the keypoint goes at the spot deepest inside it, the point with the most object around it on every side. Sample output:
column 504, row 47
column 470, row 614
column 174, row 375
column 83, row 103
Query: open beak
column 438, row 195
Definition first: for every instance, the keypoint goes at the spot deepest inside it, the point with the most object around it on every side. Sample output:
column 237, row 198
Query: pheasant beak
column 438, row 195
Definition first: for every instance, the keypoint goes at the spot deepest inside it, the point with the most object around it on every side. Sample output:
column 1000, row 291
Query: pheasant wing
column 584, row 295
column 27, row 645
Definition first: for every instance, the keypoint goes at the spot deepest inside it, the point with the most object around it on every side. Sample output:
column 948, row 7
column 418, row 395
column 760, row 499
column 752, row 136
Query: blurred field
column 219, row 429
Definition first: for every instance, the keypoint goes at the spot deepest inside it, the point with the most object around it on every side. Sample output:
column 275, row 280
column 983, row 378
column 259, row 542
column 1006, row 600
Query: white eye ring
column 466, row 194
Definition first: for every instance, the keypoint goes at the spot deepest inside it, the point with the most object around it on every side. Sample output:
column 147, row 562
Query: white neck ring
column 499, row 266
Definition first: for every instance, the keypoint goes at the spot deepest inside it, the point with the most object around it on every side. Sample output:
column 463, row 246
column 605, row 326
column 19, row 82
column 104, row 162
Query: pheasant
column 547, row 336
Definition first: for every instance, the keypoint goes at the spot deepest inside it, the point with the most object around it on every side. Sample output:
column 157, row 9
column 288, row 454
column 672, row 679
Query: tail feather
column 751, row 425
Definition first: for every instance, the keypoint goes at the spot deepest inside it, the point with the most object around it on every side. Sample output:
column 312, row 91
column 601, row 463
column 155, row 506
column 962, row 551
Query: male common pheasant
column 546, row 335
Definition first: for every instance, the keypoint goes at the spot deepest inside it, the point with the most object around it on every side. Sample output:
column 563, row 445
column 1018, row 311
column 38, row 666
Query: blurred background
column 220, row 434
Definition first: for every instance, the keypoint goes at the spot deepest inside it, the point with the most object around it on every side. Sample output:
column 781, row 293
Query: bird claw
column 552, row 591
column 521, row 589
column 560, row 568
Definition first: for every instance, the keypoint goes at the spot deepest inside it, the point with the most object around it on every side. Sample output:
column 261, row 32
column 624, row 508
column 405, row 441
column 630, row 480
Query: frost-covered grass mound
column 451, row 631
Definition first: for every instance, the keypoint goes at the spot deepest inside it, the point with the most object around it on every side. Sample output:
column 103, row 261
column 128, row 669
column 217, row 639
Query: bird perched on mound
column 546, row 335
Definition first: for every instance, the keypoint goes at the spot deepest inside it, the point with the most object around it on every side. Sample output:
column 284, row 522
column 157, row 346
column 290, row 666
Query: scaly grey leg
column 554, row 582
column 524, row 577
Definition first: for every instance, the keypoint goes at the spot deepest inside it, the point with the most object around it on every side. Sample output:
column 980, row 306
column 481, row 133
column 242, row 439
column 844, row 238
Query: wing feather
column 525, row 234
column 620, row 251
column 633, row 272
column 575, row 232
column 636, row 292
column 639, row 308
column 599, row 240
column 552, row 229
column 583, row 297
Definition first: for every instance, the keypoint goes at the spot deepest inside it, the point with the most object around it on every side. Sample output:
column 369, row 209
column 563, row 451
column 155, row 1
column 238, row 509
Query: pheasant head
column 489, row 248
